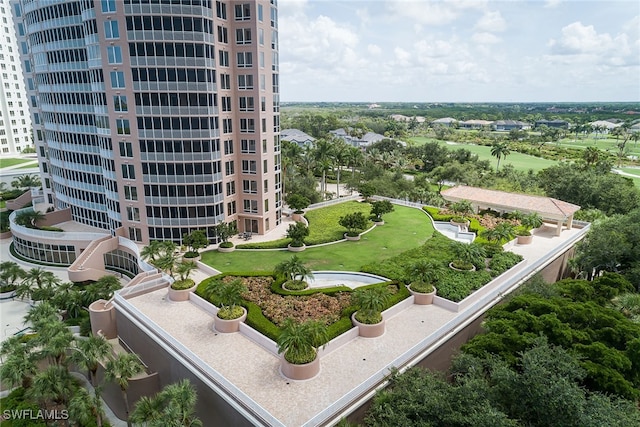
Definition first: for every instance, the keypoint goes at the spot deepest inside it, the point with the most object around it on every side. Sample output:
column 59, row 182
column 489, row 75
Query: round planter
column 225, row 250
column 300, row 372
column 524, row 240
column 229, row 326
column 352, row 238
column 378, row 223
column 459, row 269
column 421, row 298
column 460, row 224
column 180, row 295
column 297, row 216
column 296, row 248
column 7, row 295
column 194, row 259
column 368, row 330
column 284, row 286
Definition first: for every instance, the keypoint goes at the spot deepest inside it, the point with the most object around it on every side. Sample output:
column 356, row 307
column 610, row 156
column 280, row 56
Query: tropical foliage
column 299, row 341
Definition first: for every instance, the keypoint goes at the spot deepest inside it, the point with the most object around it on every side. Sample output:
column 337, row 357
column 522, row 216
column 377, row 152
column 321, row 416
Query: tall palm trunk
column 338, row 180
column 126, row 405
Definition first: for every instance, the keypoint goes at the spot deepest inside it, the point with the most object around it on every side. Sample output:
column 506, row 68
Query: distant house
column 402, row 118
column 507, row 125
column 604, row 124
column 474, row 124
column 560, row 124
column 366, row 140
column 370, row 138
column 445, row 121
column 297, row 136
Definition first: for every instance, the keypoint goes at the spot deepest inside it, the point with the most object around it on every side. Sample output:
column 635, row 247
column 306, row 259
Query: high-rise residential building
column 15, row 119
column 157, row 117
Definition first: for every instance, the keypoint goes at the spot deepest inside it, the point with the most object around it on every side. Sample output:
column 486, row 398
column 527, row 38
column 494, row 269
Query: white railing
column 57, row 235
column 400, row 202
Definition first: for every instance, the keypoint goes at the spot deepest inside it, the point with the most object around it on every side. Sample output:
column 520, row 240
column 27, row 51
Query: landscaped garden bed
column 269, row 305
column 323, row 225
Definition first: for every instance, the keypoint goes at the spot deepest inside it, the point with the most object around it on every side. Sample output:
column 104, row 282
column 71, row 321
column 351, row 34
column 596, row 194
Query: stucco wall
column 212, row 409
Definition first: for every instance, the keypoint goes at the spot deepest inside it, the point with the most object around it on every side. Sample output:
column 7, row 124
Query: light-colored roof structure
column 605, row 124
column 296, row 135
column 476, row 122
column 547, row 207
column 445, row 120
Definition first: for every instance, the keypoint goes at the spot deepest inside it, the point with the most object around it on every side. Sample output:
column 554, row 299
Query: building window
column 249, row 186
column 111, row 30
column 130, row 193
column 251, row 206
column 223, row 36
column 243, row 36
column 133, row 214
column 128, row 172
column 260, row 13
column 246, row 103
column 225, row 81
column 248, row 146
column 264, row 166
column 266, row 205
column 120, row 103
column 135, row 234
column 114, row 53
column 221, row 10
column 231, row 208
column 123, row 127
column 264, row 146
column 261, row 36
column 242, row 12
column 231, row 188
column 229, row 168
column 227, row 126
column 226, row 103
column 108, row 6
column 266, row 186
column 249, row 167
column 247, row 125
column 117, row 80
column 245, row 59
column 245, row 81
column 126, row 149
column 223, row 58
column 228, row 147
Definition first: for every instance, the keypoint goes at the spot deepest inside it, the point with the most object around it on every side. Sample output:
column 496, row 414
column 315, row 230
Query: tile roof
column 545, row 206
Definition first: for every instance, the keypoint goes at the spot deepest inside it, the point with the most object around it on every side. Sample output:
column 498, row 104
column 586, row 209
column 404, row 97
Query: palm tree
column 88, row 353
column 37, row 284
column 121, row 370
column 85, row 409
column 41, row 314
column 322, row 154
column 340, row 150
column 354, row 158
column 502, row 232
column 10, row 273
column 532, row 220
column 103, row 288
column 29, row 218
column 591, row 155
column 55, row 339
column 18, row 366
column 173, row 406
column 370, row 303
column 324, row 165
column 26, row 181
column 185, row 268
column 151, row 251
column 54, row 385
column 471, row 253
column 500, row 150
column 293, row 268
column 425, row 271
column 299, row 341
column 629, row 305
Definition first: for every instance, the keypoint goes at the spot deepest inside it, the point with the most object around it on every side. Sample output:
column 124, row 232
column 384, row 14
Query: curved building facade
column 158, row 117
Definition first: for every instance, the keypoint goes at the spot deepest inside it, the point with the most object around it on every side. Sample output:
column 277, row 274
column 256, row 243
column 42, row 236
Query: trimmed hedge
column 273, row 244
column 258, row 321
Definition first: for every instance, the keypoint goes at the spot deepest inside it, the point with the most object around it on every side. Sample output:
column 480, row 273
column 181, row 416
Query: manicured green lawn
column 5, row 163
column 522, row 162
column 405, row 228
column 323, row 223
column 29, row 166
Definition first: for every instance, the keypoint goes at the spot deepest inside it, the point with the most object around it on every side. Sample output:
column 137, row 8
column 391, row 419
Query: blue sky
column 459, row 50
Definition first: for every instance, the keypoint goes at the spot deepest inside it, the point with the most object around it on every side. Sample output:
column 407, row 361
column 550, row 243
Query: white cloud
column 552, row 4
column 485, row 38
column 577, row 38
column 431, row 12
column 374, row 49
column 491, row 22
